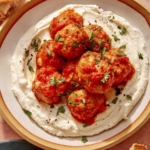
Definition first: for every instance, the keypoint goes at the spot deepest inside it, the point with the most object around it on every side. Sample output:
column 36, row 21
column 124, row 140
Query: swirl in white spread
column 64, row 124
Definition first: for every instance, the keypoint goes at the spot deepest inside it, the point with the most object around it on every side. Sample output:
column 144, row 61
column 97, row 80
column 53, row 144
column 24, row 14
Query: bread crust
column 13, row 4
column 137, row 146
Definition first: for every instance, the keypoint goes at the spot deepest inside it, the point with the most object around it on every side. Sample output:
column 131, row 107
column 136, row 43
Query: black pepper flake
column 95, row 21
column 50, row 110
column 20, row 61
column 31, row 55
column 55, row 119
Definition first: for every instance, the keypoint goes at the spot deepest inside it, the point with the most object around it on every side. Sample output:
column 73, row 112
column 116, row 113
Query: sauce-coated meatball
column 47, row 57
column 69, row 72
column 84, row 106
column 49, row 85
column 98, row 38
column 67, row 17
column 95, row 73
column 71, row 40
column 123, row 69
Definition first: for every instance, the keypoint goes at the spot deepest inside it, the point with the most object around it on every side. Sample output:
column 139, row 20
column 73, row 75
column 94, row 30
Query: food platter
column 11, row 32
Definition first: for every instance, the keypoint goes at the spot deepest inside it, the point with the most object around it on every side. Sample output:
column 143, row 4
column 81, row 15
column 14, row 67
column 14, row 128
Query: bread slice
column 137, row 146
column 7, row 7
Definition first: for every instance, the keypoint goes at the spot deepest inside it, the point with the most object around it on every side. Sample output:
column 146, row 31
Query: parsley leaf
column 27, row 112
column 61, row 109
column 70, row 101
column 122, row 46
column 110, row 18
column 75, row 44
column 84, row 139
column 115, row 38
column 121, row 54
column 114, row 101
column 123, row 31
column 31, row 69
column 129, row 97
column 97, row 61
column 140, row 56
column 52, row 81
column 85, row 125
column 104, row 50
column 75, row 84
column 105, row 78
column 61, row 80
column 91, row 35
column 35, row 44
column 29, row 61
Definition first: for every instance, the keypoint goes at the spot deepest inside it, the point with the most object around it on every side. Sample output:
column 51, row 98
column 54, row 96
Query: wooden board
column 4, row 111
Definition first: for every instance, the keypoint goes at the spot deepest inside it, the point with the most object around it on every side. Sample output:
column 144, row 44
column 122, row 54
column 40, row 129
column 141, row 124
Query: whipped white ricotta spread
column 64, row 124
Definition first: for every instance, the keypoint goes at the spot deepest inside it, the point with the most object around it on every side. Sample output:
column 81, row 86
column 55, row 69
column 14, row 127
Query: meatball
column 67, row 17
column 47, row 57
column 95, row 73
column 123, row 69
column 84, row 106
column 97, row 38
column 49, row 85
column 71, row 41
column 69, row 72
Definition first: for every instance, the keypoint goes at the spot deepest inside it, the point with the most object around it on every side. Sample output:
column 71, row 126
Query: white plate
column 30, row 18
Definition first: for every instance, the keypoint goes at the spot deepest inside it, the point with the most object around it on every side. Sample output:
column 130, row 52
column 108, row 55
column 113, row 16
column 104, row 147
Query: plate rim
column 17, row 127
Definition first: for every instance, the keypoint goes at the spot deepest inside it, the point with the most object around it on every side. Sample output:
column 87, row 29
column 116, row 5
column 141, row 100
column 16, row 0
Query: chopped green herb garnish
column 35, row 44
column 27, row 112
column 122, row 46
column 123, row 31
column 75, row 44
column 75, row 103
column 73, row 83
column 105, row 78
column 129, row 97
column 121, row 54
column 91, row 35
column 84, row 139
column 99, row 43
column 114, row 101
column 52, row 81
column 61, row 80
column 31, row 69
column 85, row 125
column 61, row 40
column 83, row 100
column 115, row 38
column 49, row 53
column 61, row 109
column 29, row 61
column 46, row 43
column 104, row 50
column 75, row 94
column 140, row 56
column 70, row 101
column 111, row 18
column 97, row 61
column 57, row 37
